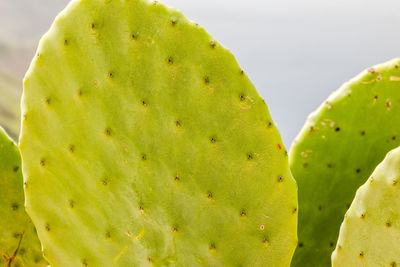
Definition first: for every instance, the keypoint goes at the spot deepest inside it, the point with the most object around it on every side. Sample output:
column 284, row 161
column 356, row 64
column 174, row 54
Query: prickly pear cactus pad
column 337, row 148
column 370, row 232
column 19, row 244
column 144, row 143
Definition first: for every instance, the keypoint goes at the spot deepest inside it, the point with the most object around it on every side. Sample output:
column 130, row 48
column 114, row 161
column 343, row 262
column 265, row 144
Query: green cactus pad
column 19, row 244
column 144, row 143
column 370, row 233
column 337, row 148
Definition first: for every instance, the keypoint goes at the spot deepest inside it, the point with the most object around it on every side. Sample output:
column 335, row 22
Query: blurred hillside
column 9, row 104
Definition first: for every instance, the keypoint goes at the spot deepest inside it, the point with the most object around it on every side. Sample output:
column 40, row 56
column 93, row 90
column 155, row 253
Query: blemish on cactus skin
column 388, row 104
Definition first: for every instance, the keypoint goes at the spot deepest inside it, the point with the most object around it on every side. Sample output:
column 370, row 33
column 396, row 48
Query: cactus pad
column 19, row 244
column 144, row 143
column 337, row 148
column 370, row 232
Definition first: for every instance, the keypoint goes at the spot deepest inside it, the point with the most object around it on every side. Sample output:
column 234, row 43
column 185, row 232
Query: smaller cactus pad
column 19, row 244
column 370, row 233
column 337, row 148
column 144, row 144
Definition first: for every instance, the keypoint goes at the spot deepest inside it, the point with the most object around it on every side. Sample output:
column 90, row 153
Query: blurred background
column 296, row 52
